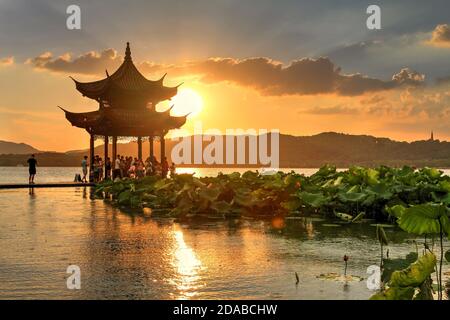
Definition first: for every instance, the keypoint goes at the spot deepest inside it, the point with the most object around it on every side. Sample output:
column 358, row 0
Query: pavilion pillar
column 163, row 148
column 139, row 142
column 106, row 147
column 152, row 151
column 91, row 158
column 114, row 148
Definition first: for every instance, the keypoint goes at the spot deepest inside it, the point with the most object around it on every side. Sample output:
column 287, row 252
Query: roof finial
column 128, row 52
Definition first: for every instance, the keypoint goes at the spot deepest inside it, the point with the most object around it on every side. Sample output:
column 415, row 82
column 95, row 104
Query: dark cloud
column 301, row 77
column 89, row 63
column 305, row 76
column 441, row 36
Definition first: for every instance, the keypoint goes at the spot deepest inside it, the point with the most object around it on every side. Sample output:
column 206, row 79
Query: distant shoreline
column 341, row 150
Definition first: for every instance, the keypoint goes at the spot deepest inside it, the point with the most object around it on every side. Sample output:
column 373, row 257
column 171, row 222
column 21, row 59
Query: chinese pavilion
column 127, row 108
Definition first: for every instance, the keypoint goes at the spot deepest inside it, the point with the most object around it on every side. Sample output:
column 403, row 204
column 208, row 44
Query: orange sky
column 30, row 98
column 301, row 67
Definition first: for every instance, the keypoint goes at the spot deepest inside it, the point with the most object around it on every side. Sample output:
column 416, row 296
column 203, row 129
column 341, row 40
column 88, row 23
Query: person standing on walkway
column 32, row 163
column 108, row 168
column 164, row 168
column 172, row 170
column 100, row 168
column 116, row 171
column 84, row 168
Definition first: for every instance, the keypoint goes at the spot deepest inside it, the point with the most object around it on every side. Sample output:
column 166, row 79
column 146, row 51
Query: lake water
column 125, row 255
column 67, row 174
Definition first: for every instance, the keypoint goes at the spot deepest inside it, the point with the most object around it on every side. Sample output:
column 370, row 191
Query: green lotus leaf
column 118, row 187
column 391, row 265
column 444, row 199
column 431, row 172
column 234, row 176
column 425, row 219
column 197, row 182
column 372, row 177
column 381, row 190
column 352, row 197
column 314, row 200
column 354, row 189
column 344, row 216
column 244, row 199
column 395, row 293
column 163, row 184
column 210, row 194
column 124, row 197
column 396, row 211
column 416, row 273
column 291, row 205
column 445, row 185
column 447, row 255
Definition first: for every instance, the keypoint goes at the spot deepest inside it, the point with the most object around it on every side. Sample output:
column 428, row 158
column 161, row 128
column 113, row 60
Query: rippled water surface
column 124, row 255
column 67, row 174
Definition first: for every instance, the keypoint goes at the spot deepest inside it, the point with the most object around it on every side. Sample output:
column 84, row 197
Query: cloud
column 440, row 36
column 92, row 62
column 372, row 100
column 430, row 103
column 338, row 109
column 422, row 103
column 303, row 76
column 408, row 76
column 353, row 52
column 7, row 61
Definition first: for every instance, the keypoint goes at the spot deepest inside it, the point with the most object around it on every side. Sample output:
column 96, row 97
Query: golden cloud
column 440, row 37
column 7, row 61
column 304, row 76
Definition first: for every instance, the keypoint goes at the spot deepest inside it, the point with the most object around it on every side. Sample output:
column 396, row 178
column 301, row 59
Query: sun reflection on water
column 187, row 266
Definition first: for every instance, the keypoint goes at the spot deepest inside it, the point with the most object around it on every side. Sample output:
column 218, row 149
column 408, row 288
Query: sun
column 187, row 101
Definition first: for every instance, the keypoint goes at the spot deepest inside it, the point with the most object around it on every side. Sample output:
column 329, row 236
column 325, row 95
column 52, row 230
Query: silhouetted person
column 172, row 170
column 164, row 167
column 117, row 173
column 108, row 166
column 84, row 168
column 32, row 163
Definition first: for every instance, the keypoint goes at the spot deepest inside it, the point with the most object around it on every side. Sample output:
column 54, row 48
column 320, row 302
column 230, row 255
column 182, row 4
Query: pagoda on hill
column 127, row 108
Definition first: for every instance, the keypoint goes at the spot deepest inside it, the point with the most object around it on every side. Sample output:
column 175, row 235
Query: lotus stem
column 345, row 265
column 381, row 255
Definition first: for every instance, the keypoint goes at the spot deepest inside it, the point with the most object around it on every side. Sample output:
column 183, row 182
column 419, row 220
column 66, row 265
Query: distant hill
column 343, row 150
column 16, row 148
